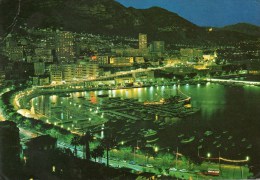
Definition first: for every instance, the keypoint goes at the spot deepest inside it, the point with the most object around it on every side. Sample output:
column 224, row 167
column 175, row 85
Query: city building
column 139, row 60
column 142, row 41
column 121, row 61
column 188, row 54
column 92, row 70
column 68, row 72
column 157, row 48
column 102, row 60
column 42, row 143
column 39, row 68
column 65, row 46
column 80, row 71
column 210, row 57
column 43, row 54
column 55, row 73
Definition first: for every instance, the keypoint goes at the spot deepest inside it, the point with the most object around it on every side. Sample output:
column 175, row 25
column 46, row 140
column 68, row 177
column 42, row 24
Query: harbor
column 126, row 113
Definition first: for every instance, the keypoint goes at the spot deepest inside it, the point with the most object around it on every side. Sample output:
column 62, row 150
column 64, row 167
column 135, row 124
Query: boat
column 188, row 140
column 64, row 95
column 149, row 133
column 181, row 135
column 151, row 141
column 217, row 137
column 102, row 95
column 249, row 146
column 219, row 145
column 207, row 133
column 183, row 100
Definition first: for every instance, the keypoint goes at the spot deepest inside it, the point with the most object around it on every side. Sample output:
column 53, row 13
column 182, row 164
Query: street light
column 156, row 149
column 247, row 158
column 208, row 155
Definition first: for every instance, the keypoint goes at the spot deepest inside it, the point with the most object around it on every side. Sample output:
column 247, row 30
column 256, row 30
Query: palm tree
column 108, row 142
column 149, row 151
column 75, row 141
column 85, row 140
column 94, row 154
column 100, row 151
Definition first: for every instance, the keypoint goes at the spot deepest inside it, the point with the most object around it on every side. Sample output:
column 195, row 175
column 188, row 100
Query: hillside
column 111, row 18
column 244, row 28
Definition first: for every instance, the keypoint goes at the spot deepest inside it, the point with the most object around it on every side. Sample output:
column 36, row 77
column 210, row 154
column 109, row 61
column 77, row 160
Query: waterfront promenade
column 231, row 81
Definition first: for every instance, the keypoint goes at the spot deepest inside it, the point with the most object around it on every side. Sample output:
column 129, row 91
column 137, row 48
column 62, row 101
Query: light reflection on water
column 234, row 110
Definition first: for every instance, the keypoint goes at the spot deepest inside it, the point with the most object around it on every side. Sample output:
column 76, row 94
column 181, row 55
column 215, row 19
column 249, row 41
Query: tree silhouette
column 149, row 151
column 108, row 142
column 75, row 141
column 100, row 151
column 85, row 140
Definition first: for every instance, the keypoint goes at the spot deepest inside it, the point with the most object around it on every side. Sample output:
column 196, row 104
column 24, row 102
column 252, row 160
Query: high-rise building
column 55, row 73
column 80, row 71
column 65, row 46
column 157, row 47
column 39, row 68
column 142, row 41
column 68, row 72
column 92, row 70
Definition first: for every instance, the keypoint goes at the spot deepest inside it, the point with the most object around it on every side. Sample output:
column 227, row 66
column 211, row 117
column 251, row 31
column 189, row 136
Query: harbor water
column 227, row 123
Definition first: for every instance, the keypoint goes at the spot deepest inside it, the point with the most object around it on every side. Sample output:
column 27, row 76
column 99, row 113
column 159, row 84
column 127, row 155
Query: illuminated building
column 80, row 71
column 188, row 54
column 43, row 54
column 68, row 72
column 139, row 60
column 102, row 60
column 121, row 61
column 65, row 46
column 55, row 73
column 210, row 57
column 92, row 70
column 142, row 41
column 157, row 47
column 39, row 68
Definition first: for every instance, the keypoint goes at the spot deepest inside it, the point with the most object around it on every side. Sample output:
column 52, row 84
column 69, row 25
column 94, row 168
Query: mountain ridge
column 109, row 17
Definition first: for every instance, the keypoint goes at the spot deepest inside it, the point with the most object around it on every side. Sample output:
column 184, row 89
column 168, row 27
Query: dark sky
column 206, row 12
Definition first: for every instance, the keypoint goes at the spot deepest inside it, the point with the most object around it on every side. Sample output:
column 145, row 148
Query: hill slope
column 111, row 18
column 244, row 28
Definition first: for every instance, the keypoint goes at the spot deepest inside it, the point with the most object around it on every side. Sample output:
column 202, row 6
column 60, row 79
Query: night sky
column 215, row 13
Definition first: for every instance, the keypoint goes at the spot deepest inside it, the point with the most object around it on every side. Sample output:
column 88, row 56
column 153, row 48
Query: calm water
column 230, row 114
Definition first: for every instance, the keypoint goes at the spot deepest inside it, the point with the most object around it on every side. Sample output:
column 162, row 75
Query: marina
column 202, row 126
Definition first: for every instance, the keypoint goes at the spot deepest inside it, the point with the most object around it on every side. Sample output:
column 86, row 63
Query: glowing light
column 247, row 158
column 156, row 149
column 53, row 168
